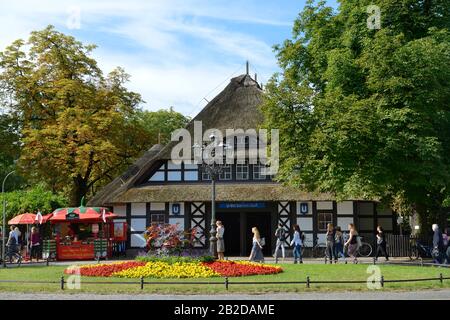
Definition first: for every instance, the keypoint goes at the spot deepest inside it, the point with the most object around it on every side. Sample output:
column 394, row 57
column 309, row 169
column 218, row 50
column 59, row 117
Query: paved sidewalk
column 366, row 295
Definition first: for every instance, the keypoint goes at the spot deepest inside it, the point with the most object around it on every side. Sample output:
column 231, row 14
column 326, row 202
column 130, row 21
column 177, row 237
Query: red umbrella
column 81, row 213
column 26, row 218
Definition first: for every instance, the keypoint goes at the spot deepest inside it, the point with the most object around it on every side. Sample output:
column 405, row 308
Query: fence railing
column 400, row 245
column 227, row 283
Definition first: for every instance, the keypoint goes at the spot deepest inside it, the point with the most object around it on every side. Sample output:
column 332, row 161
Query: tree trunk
column 79, row 190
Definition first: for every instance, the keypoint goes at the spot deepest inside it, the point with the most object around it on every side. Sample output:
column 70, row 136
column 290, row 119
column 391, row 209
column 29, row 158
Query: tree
column 10, row 147
column 160, row 124
column 362, row 112
column 31, row 200
column 75, row 122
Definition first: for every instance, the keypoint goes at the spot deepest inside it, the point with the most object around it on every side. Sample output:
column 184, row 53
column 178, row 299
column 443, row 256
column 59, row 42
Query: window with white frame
column 227, row 173
column 258, row 172
column 241, row 171
column 323, row 219
column 159, row 175
column 158, row 218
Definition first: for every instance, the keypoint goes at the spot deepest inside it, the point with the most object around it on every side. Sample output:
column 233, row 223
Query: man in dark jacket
column 438, row 244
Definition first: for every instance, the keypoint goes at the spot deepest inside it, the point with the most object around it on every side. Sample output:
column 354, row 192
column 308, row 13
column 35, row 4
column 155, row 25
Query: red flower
column 105, row 270
column 236, row 269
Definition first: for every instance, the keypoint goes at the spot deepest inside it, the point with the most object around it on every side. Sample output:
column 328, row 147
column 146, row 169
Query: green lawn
column 291, row 273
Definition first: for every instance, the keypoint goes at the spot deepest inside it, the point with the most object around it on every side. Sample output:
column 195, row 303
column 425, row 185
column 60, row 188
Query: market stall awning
column 82, row 214
column 25, row 218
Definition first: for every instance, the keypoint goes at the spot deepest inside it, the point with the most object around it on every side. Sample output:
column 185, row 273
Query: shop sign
column 304, row 208
column 242, row 205
column 176, row 208
column 72, row 216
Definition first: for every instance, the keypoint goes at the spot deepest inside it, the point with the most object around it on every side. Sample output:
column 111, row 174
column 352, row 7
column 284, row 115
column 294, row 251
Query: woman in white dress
column 220, row 241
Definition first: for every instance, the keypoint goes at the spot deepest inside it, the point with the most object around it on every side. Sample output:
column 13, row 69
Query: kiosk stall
column 85, row 233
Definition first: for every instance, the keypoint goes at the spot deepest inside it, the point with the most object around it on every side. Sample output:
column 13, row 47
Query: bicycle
column 318, row 250
column 365, row 249
column 13, row 256
column 419, row 250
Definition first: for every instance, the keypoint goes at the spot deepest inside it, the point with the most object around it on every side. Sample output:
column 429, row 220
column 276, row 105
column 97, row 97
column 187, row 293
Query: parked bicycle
column 315, row 251
column 365, row 249
column 419, row 250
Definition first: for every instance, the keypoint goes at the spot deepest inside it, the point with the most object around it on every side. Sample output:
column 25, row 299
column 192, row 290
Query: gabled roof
column 236, row 107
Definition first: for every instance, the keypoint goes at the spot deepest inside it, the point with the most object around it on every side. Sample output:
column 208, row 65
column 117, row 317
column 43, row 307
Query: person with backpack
column 330, row 251
column 381, row 244
column 280, row 234
column 339, row 244
column 297, row 242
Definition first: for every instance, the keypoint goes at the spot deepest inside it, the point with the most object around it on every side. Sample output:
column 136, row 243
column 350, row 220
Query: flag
column 39, row 217
column 104, row 215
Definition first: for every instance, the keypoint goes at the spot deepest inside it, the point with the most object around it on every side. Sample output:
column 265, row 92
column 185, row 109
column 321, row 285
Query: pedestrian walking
column 381, row 244
column 220, row 241
column 438, row 244
column 339, row 244
column 256, row 253
column 330, row 236
column 297, row 242
column 445, row 240
column 352, row 243
column 35, row 244
column 280, row 235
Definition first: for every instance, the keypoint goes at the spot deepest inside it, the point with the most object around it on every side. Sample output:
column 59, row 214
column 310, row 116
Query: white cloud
column 176, row 51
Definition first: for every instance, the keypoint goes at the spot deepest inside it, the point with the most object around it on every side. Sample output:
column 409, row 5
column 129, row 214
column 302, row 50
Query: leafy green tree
column 31, row 200
column 363, row 112
column 75, row 122
column 160, row 124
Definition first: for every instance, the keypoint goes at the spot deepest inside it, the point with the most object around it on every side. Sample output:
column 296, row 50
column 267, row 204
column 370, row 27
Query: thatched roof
column 236, row 107
column 224, row 192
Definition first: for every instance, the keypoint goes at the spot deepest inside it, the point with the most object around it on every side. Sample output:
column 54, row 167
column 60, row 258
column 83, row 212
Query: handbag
column 262, row 242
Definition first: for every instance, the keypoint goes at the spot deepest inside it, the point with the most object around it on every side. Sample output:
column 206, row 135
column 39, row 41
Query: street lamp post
column 213, row 169
column 4, row 218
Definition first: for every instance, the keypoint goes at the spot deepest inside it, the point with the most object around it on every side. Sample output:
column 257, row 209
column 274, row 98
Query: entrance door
column 261, row 220
column 232, row 236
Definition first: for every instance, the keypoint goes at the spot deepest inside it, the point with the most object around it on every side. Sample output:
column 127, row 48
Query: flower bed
column 164, row 269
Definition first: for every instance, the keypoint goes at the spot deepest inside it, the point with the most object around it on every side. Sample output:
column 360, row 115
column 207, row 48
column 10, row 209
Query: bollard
column 226, row 283
column 307, row 282
column 142, row 283
column 382, row 281
column 47, row 262
column 441, row 279
column 374, row 261
column 62, row 283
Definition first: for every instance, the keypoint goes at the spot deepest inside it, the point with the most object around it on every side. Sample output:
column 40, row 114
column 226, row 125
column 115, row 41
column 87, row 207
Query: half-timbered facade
column 157, row 190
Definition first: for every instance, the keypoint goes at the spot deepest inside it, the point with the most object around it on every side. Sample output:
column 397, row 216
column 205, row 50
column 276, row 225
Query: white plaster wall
column 306, row 224
column 345, row 207
column 120, row 210
column 324, row 205
column 138, row 209
column 157, row 206
column 137, row 240
column 138, row 224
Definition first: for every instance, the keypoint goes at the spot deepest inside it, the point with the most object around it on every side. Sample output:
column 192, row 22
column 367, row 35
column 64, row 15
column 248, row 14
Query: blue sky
column 177, row 52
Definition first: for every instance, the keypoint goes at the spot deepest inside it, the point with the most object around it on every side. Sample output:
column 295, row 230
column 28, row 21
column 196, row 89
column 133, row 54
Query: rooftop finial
column 247, row 67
